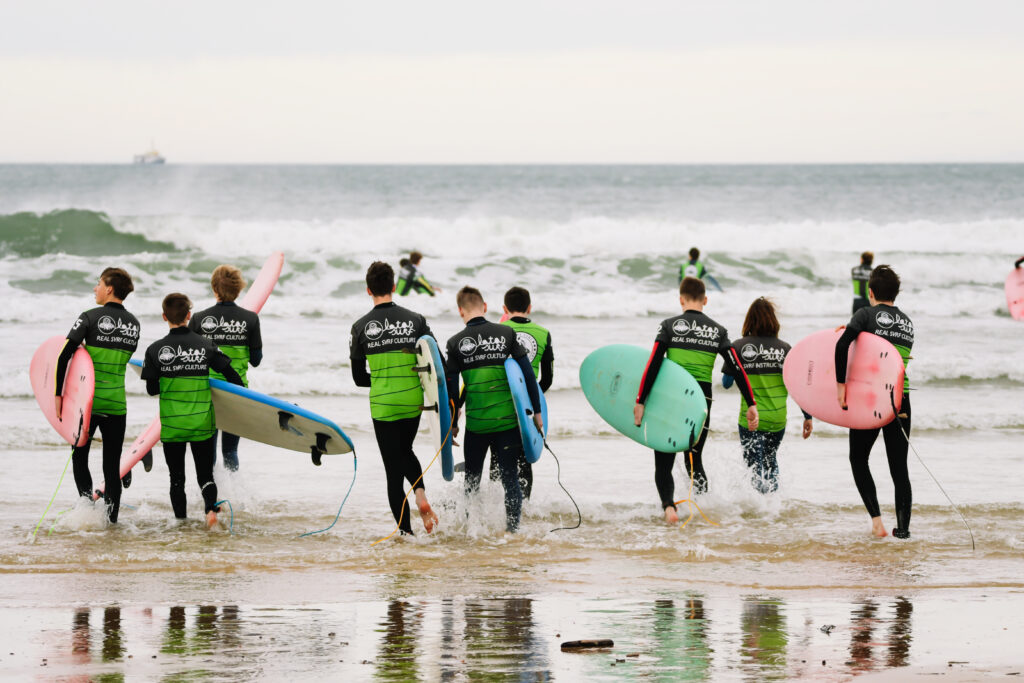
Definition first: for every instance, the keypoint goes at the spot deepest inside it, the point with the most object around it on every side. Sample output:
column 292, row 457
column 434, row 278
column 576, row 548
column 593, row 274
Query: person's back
column 860, row 275
column 536, row 339
column 692, row 268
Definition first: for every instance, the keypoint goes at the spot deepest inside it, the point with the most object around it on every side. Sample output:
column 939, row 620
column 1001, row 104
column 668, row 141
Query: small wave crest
column 71, row 231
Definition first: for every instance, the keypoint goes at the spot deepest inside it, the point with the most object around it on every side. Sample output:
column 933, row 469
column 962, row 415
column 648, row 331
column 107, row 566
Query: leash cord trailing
column 231, row 512
column 691, row 502
column 579, row 515
column 53, row 497
column 892, row 400
column 355, row 467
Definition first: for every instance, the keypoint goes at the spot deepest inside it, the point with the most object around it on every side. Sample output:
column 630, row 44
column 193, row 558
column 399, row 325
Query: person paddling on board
column 236, row 332
column 385, row 338
column 110, row 335
column 881, row 318
column 178, row 368
column 411, row 279
column 537, row 342
column 479, row 352
column 691, row 340
column 762, row 354
column 860, row 275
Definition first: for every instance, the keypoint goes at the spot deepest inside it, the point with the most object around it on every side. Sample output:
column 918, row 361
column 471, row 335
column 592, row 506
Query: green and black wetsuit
column 691, row 340
column 385, row 339
column 178, row 368
column 236, row 332
column 537, row 342
column 894, row 325
column 860, row 276
column 110, row 335
column 692, row 268
column 478, row 352
column 411, row 279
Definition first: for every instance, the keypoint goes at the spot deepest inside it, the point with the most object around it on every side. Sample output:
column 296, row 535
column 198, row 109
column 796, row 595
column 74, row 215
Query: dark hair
column 517, row 300
column 761, row 320
column 867, row 257
column 415, row 257
column 884, row 283
column 119, row 280
column 692, row 288
column 469, row 297
column 176, row 307
column 694, row 253
column 380, row 278
column 404, row 262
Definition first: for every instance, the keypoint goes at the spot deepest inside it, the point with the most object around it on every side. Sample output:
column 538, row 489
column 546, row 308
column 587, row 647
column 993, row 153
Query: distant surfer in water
column 236, row 332
column 860, row 275
column 762, row 354
column 695, row 268
column 385, row 338
column 478, row 352
column 411, row 279
column 885, row 320
column 110, row 335
column 178, row 368
column 692, row 340
column 537, row 342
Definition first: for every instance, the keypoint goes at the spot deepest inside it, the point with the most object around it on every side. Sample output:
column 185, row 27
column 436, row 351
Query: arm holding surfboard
column 1016, row 264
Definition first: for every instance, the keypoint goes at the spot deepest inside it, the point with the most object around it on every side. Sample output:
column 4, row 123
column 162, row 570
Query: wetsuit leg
column 896, row 451
column 474, row 448
column 394, row 439
column 174, row 454
column 507, row 449
column 112, row 428
column 771, row 442
column 80, row 460
column 203, row 454
column 525, row 475
column 700, row 478
column 753, row 455
column 663, row 479
column 229, row 447
column 861, row 441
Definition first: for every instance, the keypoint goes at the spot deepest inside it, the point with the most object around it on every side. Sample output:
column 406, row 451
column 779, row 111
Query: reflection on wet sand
column 765, row 639
column 681, row 638
column 896, row 646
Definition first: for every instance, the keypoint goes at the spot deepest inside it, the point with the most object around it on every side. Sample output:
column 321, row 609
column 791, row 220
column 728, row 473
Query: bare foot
column 211, row 519
column 877, row 528
column 671, row 516
column 428, row 516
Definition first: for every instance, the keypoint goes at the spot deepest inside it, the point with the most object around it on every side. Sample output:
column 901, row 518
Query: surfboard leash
column 892, row 401
column 231, row 512
column 579, row 515
column 355, row 467
column 691, row 503
column 53, row 497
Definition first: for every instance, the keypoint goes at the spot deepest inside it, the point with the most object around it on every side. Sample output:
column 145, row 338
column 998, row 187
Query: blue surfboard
column 710, row 279
column 275, row 422
column 533, row 440
column 435, row 400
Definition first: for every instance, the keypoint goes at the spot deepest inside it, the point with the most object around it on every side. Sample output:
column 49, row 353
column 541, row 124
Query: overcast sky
column 514, row 82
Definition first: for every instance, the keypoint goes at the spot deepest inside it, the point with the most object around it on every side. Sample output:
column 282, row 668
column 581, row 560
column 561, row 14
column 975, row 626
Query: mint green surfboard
column 674, row 412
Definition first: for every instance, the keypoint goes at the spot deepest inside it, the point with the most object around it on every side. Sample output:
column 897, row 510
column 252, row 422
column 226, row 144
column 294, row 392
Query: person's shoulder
column 209, row 310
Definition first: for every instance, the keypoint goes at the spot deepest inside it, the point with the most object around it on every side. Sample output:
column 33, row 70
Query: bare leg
column 428, row 516
column 877, row 528
column 211, row 519
column 671, row 516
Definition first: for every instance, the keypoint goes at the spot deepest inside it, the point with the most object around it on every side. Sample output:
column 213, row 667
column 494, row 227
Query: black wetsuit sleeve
column 222, row 364
column 807, row 416
column 150, row 373
column 255, row 344
column 547, row 367
column 451, row 374
column 531, row 382
column 651, row 371
column 734, row 367
column 1016, row 264
column 360, row 375
column 843, row 352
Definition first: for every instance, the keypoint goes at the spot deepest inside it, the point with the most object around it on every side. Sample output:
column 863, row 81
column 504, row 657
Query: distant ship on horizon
column 150, row 157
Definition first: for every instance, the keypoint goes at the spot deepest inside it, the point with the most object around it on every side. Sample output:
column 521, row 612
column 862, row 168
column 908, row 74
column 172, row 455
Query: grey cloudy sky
column 597, row 81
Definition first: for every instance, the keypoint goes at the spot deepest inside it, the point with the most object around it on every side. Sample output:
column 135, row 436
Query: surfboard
column 675, row 410
column 710, row 279
column 273, row 421
column 533, row 439
column 1015, row 293
column 874, row 371
column 436, row 405
column 257, row 295
column 79, row 387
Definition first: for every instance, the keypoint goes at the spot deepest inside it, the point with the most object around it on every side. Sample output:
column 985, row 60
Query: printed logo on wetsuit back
column 681, row 327
column 107, row 325
column 168, row 355
column 211, row 324
column 375, row 330
column 468, row 345
column 750, row 353
column 884, row 320
column 690, row 270
column 527, row 341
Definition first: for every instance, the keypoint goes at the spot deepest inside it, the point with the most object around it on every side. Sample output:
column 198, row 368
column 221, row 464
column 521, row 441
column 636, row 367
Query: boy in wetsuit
column 386, row 339
column 236, row 332
column 691, row 340
column 479, row 352
column 110, row 335
column 411, row 279
column 537, row 342
column 890, row 323
column 177, row 368
column 860, row 275
column 694, row 267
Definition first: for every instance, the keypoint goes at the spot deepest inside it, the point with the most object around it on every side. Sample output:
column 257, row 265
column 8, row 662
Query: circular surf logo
column 209, row 324
column 527, row 341
column 749, row 352
column 467, row 346
column 885, row 320
column 167, row 355
column 106, row 324
column 373, row 330
column 681, row 326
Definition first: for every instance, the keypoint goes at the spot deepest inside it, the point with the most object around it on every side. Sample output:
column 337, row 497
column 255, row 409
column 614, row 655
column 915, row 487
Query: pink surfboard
column 79, row 387
column 254, row 298
column 874, row 371
column 1015, row 293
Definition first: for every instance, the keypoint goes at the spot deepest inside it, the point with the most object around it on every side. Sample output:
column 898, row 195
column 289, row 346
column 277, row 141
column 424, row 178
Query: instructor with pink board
column 1015, row 290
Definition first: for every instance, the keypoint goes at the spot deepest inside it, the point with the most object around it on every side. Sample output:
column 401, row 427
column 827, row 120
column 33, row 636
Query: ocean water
column 599, row 248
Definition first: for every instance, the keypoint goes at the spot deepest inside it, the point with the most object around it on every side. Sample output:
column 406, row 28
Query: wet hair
column 176, row 307
column 694, row 253
column 867, row 257
column 517, row 300
column 415, row 257
column 380, row 278
column 884, row 283
column 469, row 297
column 761, row 320
column 404, row 262
column 227, row 282
column 119, row 280
column 692, row 288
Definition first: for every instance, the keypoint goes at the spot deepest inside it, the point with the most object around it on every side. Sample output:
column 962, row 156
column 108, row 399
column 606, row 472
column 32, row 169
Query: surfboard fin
column 283, row 420
column 318, row 450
